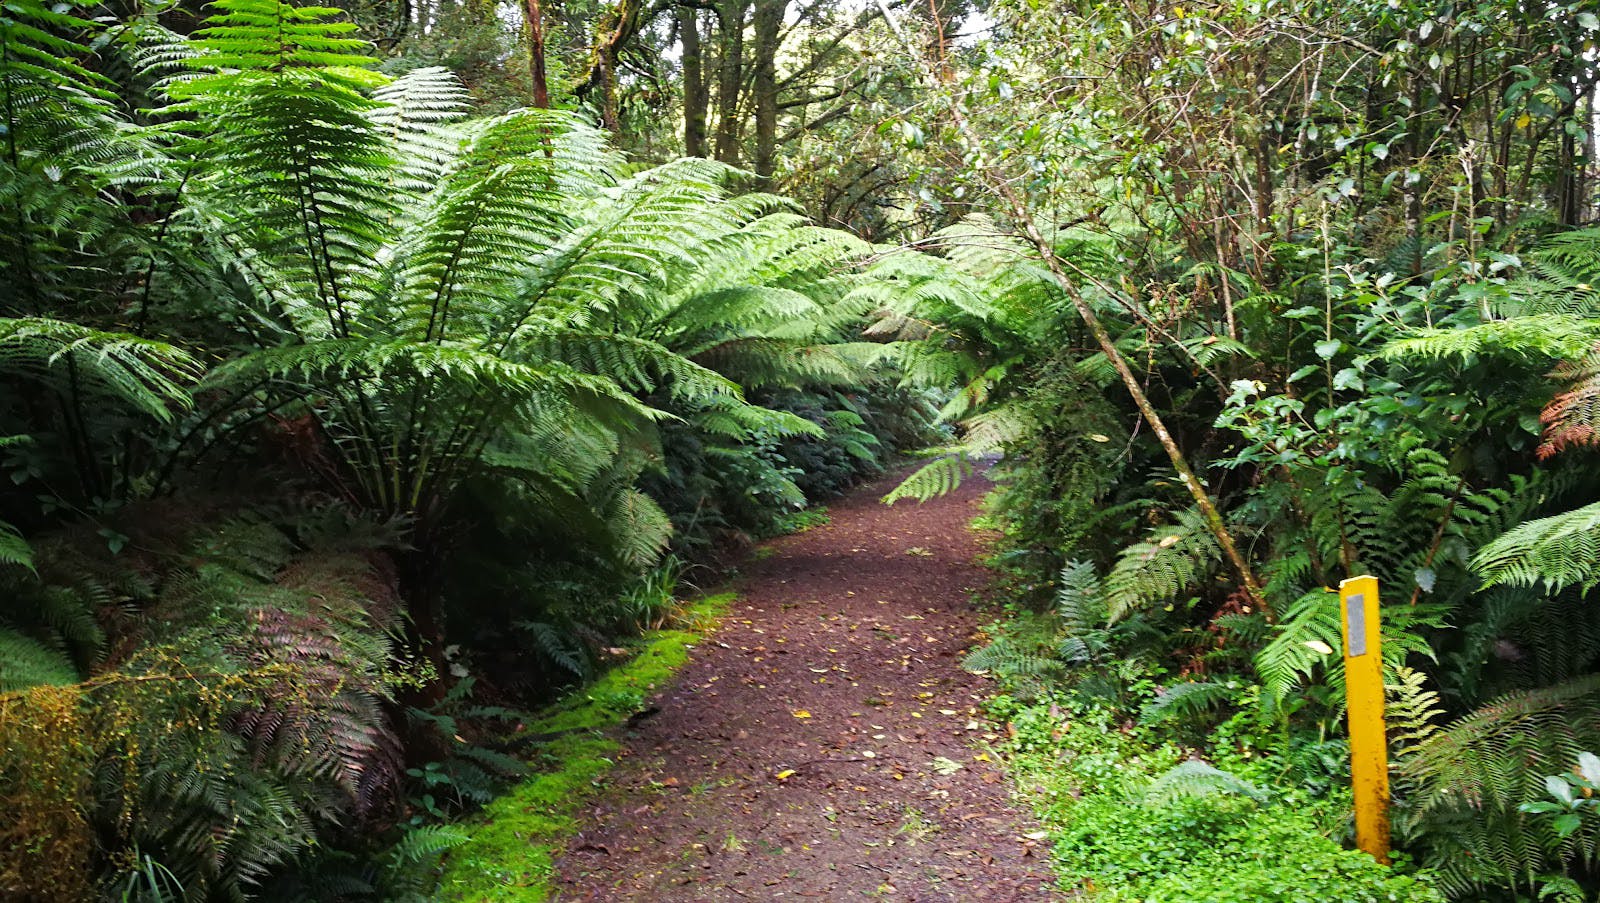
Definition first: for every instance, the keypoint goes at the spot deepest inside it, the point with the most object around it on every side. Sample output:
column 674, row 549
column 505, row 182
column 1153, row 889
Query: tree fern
column 289, row 139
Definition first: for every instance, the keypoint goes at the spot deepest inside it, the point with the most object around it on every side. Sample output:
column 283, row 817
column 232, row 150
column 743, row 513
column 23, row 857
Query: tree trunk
column 541, row 86
column 730, row 76
column 768, row 19
column 613, row 33
column 695, row 98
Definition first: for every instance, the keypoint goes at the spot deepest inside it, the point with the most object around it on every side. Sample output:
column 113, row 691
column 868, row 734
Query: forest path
column 838, row 667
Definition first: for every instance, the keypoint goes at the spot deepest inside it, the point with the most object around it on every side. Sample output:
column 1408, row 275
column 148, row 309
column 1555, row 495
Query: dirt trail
column 839, row 664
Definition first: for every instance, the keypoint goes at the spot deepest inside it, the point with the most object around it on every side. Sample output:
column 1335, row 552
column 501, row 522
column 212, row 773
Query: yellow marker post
column 1369, row 752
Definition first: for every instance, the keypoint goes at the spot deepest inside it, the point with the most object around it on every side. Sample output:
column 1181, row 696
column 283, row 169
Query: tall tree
column 695, row 97
column 768, row 20
column 536, row 66
column 730, row 77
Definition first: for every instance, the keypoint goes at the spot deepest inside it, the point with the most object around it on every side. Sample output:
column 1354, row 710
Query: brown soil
column 838, row 668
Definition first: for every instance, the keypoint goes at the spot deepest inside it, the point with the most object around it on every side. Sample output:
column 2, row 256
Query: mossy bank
column 515, row 841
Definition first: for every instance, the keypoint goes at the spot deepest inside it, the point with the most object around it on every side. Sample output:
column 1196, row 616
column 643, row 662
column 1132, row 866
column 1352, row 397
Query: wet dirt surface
column 824, row 743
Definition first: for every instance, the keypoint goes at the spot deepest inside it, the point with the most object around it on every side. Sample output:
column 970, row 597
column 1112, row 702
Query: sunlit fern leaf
column 1556, row 552
column 638, row 364
column 280, row 101
column 1194, row 778
column 407, row 870
column 938, row 477
column 1412, row 712
column 416, row 109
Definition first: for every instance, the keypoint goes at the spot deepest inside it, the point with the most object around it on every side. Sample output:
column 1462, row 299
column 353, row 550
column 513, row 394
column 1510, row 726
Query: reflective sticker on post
column 1355, row 624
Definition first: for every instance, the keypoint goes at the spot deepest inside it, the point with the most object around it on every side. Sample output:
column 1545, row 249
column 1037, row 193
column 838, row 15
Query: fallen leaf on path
column 801, row 713
column 785, row 774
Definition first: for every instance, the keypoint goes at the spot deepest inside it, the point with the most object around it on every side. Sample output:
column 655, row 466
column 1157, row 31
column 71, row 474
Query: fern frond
column 1412, row 712
column 1473, row 778
column 1194, row 778
column 938, row 477
column 25, row 662
column 1549, row 337
column 1558, row 551
column 14, row 549
column 1571, row 417
column 146, row 375
column 1186, row 700
column 642, row 530
column 1171, row 561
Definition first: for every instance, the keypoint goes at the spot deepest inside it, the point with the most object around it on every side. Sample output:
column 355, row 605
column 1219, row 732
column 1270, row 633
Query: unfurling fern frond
column 1558, row 551
column 1194, row 778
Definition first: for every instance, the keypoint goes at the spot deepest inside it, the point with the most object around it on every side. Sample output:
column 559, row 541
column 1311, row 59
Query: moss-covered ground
column 517, row 838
